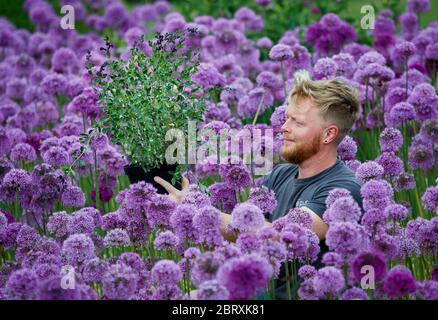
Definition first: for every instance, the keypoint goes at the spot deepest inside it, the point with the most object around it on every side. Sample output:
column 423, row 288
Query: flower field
column 72, row 226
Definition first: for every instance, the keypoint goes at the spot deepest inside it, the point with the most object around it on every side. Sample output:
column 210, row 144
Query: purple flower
column 54, row 83
column 80, row 222
column 333, row 259
column 281, row 52
column 117, row 238
column 404, row 49
column 432, row 51
column 222, row 195
column 396, row 211
column 404, row 181
column 57, row 224
column 335, row 194
column 369, row 170
column 212, row 290
column 64, row 60
column 16, row 180
column 236, row 176
column 166, row 272
column 343, row 209
column 205, row 267
column 307, row 272
column 207, row 222
column 325, row 68
column 248, row 242
column 73, row 197
column 21, row 285
column 263, row 198
column 23, row 152
column 430, row 199
column 94, row 269
column 139, row 195
column 390, row 140
column 119, row 282
column 346, row 238
column 391, row 164
column 182, row 221
column 56, row 156
column 399, row 282
column 208, row 76
column 346, row 65
column 306, row 290
column 347, row 149
column 264, row 43
column 77, row 249
column 418, row 6
column 245, row 276
column 246, row 217
column 166, row 240
column 354, row 294
column 400, row 113
column 372, row 258
column 428, row 290
column 167, row 292
column 420, row 156
column 196, row 198
column 425, row 101
column 369, row 58
column 328, row 282
column 27, row 238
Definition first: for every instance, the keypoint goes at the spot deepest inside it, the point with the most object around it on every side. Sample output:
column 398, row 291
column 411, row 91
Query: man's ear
column 331, row 133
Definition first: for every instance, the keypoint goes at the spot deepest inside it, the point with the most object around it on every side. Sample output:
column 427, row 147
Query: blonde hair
column 337, row 101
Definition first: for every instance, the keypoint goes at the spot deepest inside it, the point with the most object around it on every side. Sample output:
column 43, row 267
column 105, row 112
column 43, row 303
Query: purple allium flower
column 98, row 141
column 237, row 176
column 396, row 211
column 54, row 83
column 80, row 222
column 346, row 238
column 432, row 51
column 21, row 285
column 245, row 276
column 166, row 272
column 418, row 6
column 275, row 252
column 306, row 290
column 205, row 267
column 182, row 221
column 369, row 170
column 56, row 156
column 212, row 290
column 298, row 216
column 400, row 113
column 119, row 282
column 354, row 294
column 343, row 209
column 246, row 217
column 281, row 52
column 391, row 164
column 347, row 149
column 399, row 282
column 429, row 129
column 105, row 193
column 77, row 249
column 278, row 118
column 94, row 269
column 264, row 43
column 117, row 238
column 346, row 65
column 307, row 272
column 425, row 101
column 196, row 198
column 23, row 152
column 371, row 258
column 248, row 242
column 428, row 290
column 325, row 68
column 57, row 224
column 404, row 181
column 404, row 50
column 113, row 220
column 167, row 292
column 430, row 199
column 420, row 156
column 222, row 195
column 73, row 197
column 328, row 282
column 15, row 88
column 390, row 140
column 207, row 222
column 335, row 194
column 139, row 195
column 166, row 240
column 263, row 198
column 27, row 238
column 208, row 76
column 333, row 259
column 13, row 181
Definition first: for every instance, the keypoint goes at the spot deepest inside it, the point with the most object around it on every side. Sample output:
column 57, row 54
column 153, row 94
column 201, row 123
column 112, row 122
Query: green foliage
column 146, row 96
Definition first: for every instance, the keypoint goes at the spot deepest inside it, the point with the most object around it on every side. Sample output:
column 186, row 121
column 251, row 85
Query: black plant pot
column 136, row 173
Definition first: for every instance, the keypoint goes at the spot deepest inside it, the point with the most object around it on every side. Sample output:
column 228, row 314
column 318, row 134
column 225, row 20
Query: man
column 319, row 115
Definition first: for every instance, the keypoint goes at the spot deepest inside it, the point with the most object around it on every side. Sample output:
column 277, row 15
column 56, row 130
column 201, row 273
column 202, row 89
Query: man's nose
column 284, row 127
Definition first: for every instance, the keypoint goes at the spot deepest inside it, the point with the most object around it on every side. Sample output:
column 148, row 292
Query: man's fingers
column 166, row 185
column 185, row 183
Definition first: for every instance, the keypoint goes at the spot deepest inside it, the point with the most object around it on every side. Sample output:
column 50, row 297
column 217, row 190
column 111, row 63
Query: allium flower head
column 119, row 282
column 369, row 170
column 247, row 216
column 328, row 281
column 399, row 282
column 166, row 272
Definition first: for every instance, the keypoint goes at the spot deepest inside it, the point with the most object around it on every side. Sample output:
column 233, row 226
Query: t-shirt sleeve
column 317, row 204
column 269, row 179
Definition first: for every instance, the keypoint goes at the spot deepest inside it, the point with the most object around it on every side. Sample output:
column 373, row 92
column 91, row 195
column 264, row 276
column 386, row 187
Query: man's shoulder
column 280, row 170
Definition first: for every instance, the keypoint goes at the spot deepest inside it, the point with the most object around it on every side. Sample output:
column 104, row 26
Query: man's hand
column 174, row 194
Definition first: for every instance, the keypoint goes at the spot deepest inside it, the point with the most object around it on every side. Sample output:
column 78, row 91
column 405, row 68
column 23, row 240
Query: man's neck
column 316, row 164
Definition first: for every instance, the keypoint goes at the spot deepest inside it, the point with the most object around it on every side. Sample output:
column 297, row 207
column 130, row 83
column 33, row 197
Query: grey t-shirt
column 310, row 192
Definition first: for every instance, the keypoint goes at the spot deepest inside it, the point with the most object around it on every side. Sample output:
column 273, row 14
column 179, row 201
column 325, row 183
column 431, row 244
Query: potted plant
column 143, row 98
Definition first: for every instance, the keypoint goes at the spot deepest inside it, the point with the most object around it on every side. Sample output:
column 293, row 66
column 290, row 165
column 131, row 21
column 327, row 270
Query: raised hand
column 174, row 194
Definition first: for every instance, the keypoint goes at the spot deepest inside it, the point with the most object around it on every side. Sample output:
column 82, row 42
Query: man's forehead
column 299, row 107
